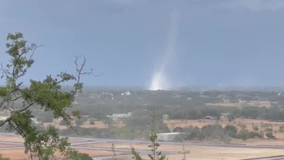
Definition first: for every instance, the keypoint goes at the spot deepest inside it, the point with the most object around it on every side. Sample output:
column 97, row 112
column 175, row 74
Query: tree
column 231, row 130
column 243, row 134
column 254, row 134
column 270, row 135
column 47, row 95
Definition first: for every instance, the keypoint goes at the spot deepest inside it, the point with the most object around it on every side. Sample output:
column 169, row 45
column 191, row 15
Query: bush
column 201, row 136
column 231, row 130
column 270, row 135
column 92, row 122
column 79, row 122
column 254, row 134
column 268, row 130
column 227, row 139
column 83, row 156
column 243, row 134
column 255, row 128
column 281, row 128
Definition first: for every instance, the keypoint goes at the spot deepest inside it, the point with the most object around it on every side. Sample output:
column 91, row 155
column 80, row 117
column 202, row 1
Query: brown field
column 204, row 153
column 196, row 152
column 248, row 122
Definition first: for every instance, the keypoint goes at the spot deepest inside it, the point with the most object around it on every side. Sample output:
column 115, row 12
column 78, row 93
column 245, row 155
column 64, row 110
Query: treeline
column 225, row 134
column 273, row 113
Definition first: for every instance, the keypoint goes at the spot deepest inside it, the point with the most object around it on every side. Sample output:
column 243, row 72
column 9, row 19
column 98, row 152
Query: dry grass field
column 196, row 152
column 203, row 153
column 248, row 122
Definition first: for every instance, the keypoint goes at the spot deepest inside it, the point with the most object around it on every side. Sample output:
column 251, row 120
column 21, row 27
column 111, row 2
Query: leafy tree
column 46, row 95
column 231, row 130
column 243, row 134
column 254, row 134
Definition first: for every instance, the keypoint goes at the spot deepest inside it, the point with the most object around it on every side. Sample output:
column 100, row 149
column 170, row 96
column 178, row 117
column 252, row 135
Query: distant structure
column 169, row 136
column 224, row 116
column 118, row 117
column 165, row 117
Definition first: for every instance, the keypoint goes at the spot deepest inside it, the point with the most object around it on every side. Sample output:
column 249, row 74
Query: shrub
column 254, row 134
column 255, row 128
column 243, row 134
column 201, row 136
column 281, row 128
column 270, row 135
column 268, row 130
column 231, row 130
column 92, row 122
column 83, row 156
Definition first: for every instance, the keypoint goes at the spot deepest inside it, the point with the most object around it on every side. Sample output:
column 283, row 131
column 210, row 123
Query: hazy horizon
column 220, row 43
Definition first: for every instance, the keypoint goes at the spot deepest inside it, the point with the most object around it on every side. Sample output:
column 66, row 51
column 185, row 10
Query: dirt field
column 248, row 122
column 203, row 153
column 196, row 152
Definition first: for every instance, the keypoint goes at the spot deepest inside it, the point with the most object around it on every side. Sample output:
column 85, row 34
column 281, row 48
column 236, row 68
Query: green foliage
column 231, row 130
column 281, row 128
column 231, row 118
column 243, row 134
column 254, row 134
column 2, row 158
column 135, row 155
column 46, row 95
column 81, row 156
column 270, row 135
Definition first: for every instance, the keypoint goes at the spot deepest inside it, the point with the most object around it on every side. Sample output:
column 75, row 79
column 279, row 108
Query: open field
column 250, row 103
column 197, row 152
column 203, row 153
column 248, row 122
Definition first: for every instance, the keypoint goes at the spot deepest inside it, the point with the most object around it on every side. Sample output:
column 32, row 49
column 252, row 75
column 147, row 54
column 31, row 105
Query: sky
column 218, row 43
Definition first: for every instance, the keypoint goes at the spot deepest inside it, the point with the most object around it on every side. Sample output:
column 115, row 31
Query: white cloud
column 255, row 5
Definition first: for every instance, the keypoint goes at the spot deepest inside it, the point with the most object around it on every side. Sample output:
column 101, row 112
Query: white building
column 116, row 117
column 169, row 136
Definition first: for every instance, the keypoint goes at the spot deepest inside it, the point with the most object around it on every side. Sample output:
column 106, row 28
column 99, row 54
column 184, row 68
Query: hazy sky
column 219, row 42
